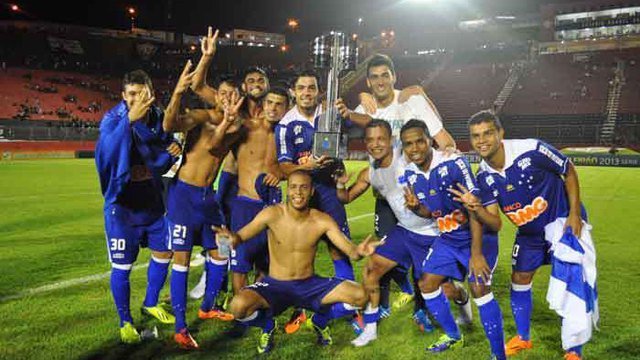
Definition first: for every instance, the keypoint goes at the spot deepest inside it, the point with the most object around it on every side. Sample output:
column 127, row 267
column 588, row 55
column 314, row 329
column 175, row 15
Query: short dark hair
column 305, row 73
column 379, row 123
column 279, row 90
column 415, row 124
column 380, row 60
column 485, row 116
column 253, row 70
column 139, row 77
column 228, row 79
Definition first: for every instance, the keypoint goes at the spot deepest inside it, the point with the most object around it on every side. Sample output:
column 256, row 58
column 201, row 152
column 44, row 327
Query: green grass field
column 51, row 232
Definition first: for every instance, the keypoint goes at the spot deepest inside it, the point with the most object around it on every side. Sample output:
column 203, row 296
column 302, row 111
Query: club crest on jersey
column 451, row 222
column 443, row 171
column 524, row 163
column 297, row 129
column 490, row 180
column 413, row 178
column 524, row 215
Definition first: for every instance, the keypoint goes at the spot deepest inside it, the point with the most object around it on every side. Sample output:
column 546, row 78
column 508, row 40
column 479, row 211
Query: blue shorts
column 125, row 235
column 530, row 252
column 406, row 248
column 191, row 211
column 452, row 261
column 254, row 250
column 307, row 293
column 326, row 200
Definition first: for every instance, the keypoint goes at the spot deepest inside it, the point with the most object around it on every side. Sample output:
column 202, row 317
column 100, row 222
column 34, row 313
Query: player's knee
column 162, row 254
column 239, row 306
column 181, row 258
column 427, row 284
column 360, row 297
column 522, row 278
column 479, row 290
column 450, row 290
column 373, row 271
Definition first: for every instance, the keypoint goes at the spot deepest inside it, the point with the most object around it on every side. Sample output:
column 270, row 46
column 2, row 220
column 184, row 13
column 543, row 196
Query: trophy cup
column 337, row 53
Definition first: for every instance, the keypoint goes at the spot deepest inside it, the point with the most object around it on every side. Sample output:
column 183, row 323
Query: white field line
column 86, row 279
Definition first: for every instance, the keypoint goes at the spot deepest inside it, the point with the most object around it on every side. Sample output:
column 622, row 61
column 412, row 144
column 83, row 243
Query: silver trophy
column 337, row 53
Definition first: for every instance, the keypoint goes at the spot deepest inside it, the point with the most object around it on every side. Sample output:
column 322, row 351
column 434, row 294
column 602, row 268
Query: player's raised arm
column 257, row 225
column 231, row 108
column 488, row 215
column 347, row 195
column 172, row 120
column 414, row 204
column 199, row 85
column 359, row 118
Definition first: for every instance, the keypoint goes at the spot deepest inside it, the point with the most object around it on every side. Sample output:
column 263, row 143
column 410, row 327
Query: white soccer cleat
column 198, row 291
column 466, row 315
column 364, row 338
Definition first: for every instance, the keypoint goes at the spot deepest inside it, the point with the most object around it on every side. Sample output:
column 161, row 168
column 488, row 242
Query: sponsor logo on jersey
column 432, row 192
column 298, row 140
column 548, row 153
column 528, row 213
column 451, row 222
column 510, row 187
column 490, row 180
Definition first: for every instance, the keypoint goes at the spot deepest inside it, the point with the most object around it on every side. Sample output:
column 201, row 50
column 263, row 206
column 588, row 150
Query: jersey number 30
column 117, row 244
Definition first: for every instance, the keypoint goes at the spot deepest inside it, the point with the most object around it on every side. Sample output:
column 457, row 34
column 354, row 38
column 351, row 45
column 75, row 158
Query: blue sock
column 156, row 276
column 402, row 279
column 216, row 269
column 371, row 315
column 179, row 275
column 321, row 319
column 491, row 318
column 438, row 306
column 121, row 289
column 340, row 310
column 576, row 349
column 343, row 269
column 261, row 319
column 522, row 306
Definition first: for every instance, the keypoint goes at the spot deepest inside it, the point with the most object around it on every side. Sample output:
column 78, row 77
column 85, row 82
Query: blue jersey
column 530, row 189
column 294, row 142
column 431, row 188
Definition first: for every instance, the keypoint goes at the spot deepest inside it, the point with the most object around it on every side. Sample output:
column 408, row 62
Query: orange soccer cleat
column 297, row 319
column 185, row 340
column 516, row 344
column 215, row 314
column 572, row 356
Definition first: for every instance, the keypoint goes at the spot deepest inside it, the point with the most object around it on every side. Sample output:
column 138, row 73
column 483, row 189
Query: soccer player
column 294, row 232
column 535, row 186
column 408, row 243
column 433, row 179
column 131, row 156
column 397, row 107
column 294, row 143
column 192, row 209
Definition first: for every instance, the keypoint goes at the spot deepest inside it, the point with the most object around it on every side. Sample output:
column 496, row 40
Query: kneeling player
column 294, row 232
column 459, row 248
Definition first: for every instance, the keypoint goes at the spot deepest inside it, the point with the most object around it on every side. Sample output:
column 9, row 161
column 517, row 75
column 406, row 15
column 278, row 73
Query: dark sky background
column 315, row 16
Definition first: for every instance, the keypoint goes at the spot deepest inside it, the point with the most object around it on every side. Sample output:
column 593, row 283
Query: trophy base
column 327, row 144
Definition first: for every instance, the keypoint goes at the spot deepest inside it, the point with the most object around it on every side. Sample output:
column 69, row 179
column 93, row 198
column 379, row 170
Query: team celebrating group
column 436, row 222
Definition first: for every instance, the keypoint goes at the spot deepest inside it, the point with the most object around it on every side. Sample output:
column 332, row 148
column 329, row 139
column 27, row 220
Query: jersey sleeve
column 417, row 182
column 284, row 145
column 487, row 194
column 464, row 176
column 549, row 158
column 424, row 110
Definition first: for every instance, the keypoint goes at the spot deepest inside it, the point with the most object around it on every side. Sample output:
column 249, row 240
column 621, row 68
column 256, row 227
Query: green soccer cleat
column 323, row 335
column 129, row 334
column 159, row 312
column 265, row 344
column 445, row 343
column 402, row 300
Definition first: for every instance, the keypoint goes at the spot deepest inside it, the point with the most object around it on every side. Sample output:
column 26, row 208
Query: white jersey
column 416, row 107
column 386, row 181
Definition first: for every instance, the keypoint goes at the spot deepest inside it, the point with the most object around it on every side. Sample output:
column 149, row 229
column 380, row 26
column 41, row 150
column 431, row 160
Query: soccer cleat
column 357, row 324
column 297, row 318
column 466, row 315
column 215, row 314
column 265, row 343
column 323, row 335
column 516, row 344
column 198, row 291
column 445, row 343
column 159, row 312
column 364, row 338
column 384, row 312
column 185, row 340
column 402, row 300
column 422, row 320
column 129, row 334
column 572, row 355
